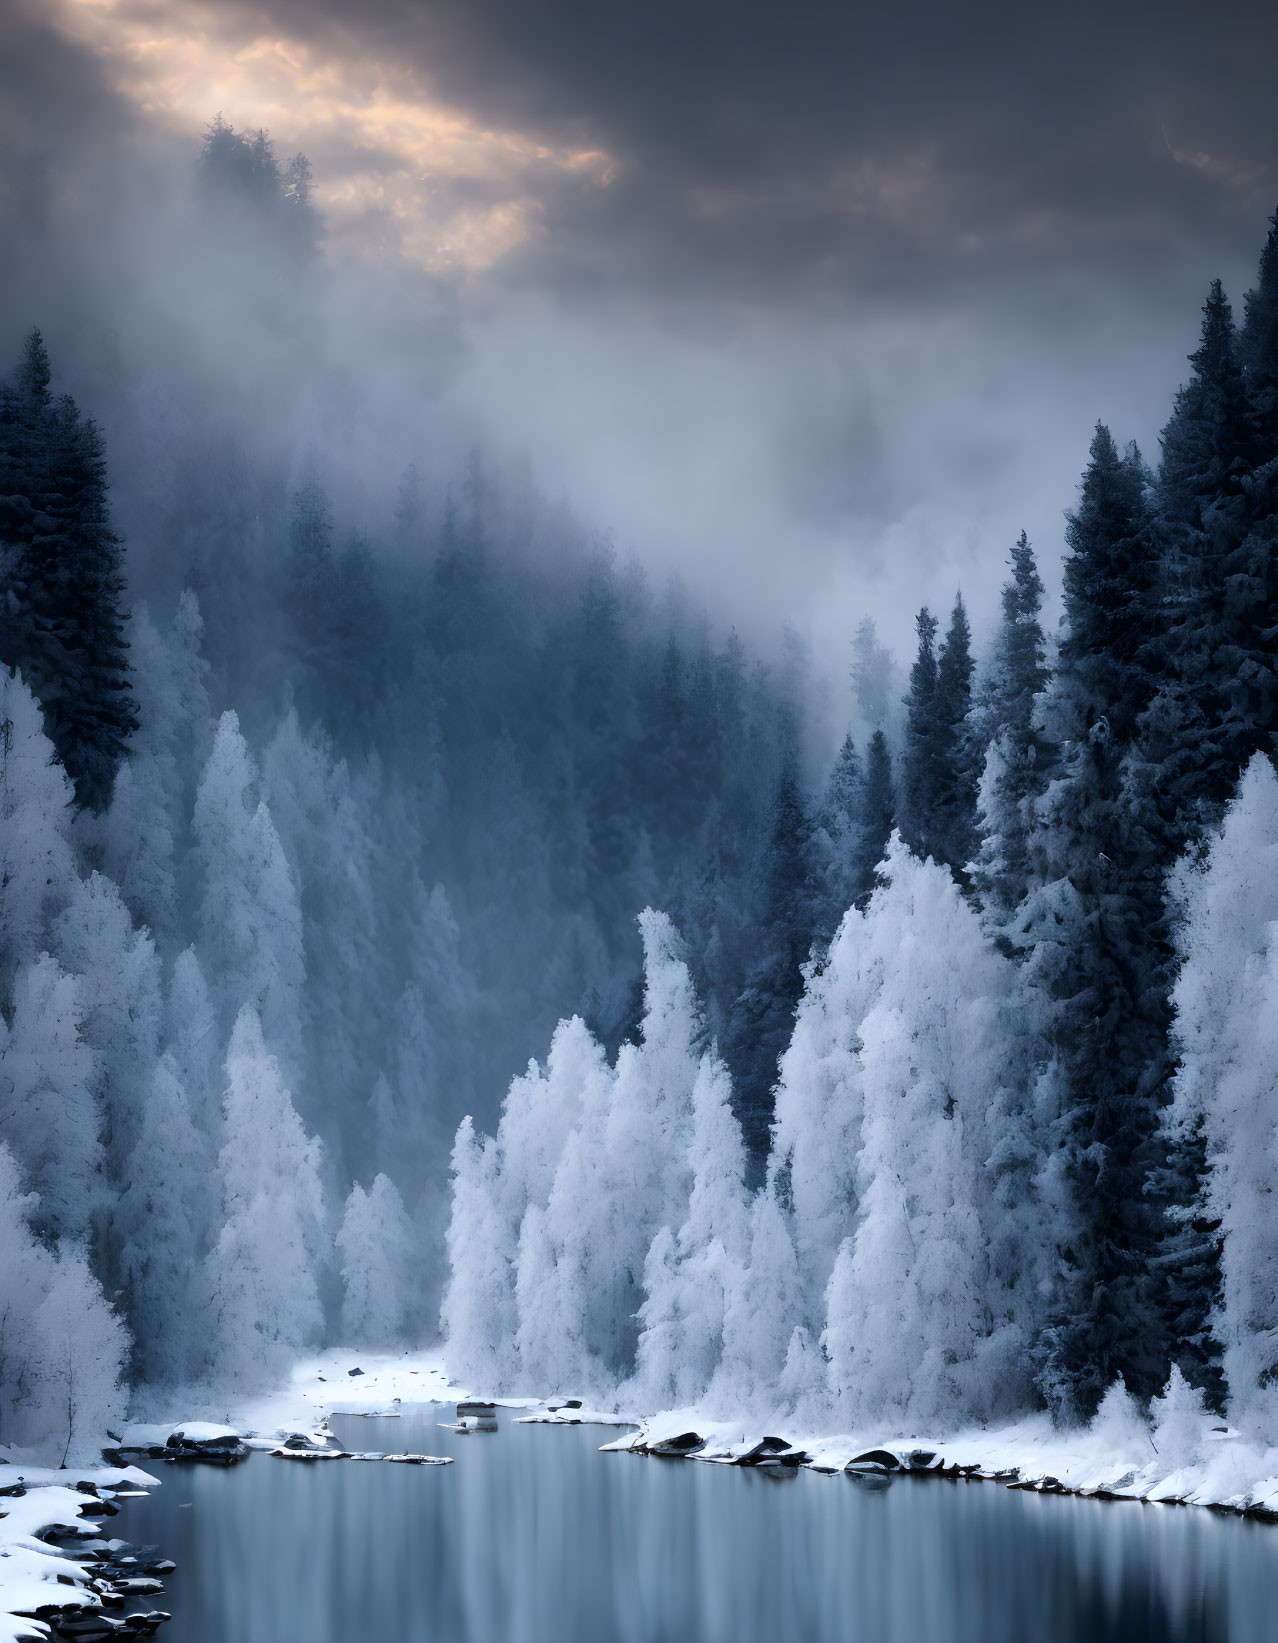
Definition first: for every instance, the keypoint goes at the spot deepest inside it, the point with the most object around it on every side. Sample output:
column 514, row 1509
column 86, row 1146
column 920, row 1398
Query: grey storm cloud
column 834, row 326
column 904, row 151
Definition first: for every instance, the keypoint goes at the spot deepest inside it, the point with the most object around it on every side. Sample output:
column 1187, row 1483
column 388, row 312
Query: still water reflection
column 534, row 1537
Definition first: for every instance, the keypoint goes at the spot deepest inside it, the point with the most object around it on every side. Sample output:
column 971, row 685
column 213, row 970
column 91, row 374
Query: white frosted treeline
column 554, row 1217
column 895, row 1260
column 1226, row 1087
column 263, row 1272
column 376, row 1245
column 62, row 1348
column 901, row 1264
column 152, row 1151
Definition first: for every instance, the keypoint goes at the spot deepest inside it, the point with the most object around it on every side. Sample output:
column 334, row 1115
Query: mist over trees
column 1021, row 1130
column 910, row 1101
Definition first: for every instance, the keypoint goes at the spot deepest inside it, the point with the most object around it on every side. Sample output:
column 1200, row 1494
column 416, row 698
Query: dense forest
column 936, row 1081
column 1022, row 1134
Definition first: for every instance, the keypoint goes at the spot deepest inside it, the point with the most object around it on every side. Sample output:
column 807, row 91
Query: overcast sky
column 816, row 303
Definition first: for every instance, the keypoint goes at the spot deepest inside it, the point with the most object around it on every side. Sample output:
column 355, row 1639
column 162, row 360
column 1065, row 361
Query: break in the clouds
column 815, row 303
column 808, row 149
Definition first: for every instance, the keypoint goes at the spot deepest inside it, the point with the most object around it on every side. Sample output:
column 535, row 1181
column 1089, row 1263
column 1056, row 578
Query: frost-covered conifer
column 918, row 1323
column 118, row 984
column 819, row 1106
column 686, row 1277
column 80, row 1353
column 26, row 1271
column 191, row 1037
column 37, row 866
column 48, row 1114
column 1226, row 1087
column 263, row 1272
column 250, row 921
column 478, row 1313
column 164, row 1224
column 760, row 1315
column 375, row 1246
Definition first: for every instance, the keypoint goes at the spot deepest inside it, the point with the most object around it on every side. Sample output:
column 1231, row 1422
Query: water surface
column 532, row 1536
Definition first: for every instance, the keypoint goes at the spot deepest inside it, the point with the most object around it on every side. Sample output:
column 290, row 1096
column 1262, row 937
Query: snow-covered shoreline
column 1119, row 1457
column 1229, row 1473
column 1196, row 1462
column 39, row 1580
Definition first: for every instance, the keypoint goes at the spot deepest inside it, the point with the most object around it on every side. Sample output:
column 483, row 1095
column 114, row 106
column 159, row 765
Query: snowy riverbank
column 57, row 1562
column 55, row 1558
column 1181, row 1457
column 1213, row 1466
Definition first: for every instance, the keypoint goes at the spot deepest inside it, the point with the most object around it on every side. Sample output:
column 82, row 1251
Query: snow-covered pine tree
column 48, row 1113
column 37, row 861
column 163, row 1227
column 118, row 986
column 478, row 1313
column 143, row 839
column 250, row 922
column 819, row 1106
column 26, row 1273
column 626, row 1169
column 921, row 1324
column 687, row 1276
column 263, row 1273
column 375, row 1244
column 80, row 1352
column 1223, row 1109
column 761, row 1315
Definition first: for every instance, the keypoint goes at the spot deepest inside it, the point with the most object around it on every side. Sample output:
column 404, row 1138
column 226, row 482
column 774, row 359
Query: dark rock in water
column 300, row 1440
column 14, row 1491
column 772, row 1452
column 874, row 1460
column 225, row 1449
column 354, row 1371
column 687, row 1443
column 563, row 1403
column 919, row 1460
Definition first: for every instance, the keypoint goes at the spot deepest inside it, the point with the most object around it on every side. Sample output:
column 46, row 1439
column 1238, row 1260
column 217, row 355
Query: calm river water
column 534, row 1537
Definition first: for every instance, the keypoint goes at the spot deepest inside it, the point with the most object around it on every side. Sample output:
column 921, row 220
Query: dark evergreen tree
column 919, row 778
column 63, row 621
column 1206, row 720
column 838, row 837
column 878, row 812
column 1260, row 345
column 1098, row 963
column 1005, row 735
column 1251, row 570
column 242, row 181
column 763, row 1014
column 938, row 785
column 954, row 802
